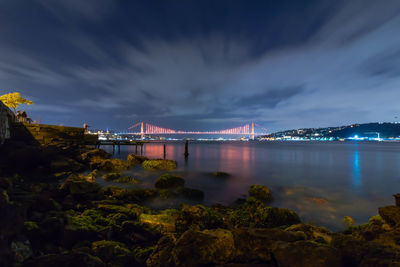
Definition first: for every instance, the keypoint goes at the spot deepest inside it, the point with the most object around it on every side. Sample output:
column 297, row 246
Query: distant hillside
column 385, row 130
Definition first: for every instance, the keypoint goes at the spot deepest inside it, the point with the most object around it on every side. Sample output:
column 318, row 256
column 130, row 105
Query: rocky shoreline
column 55, row 214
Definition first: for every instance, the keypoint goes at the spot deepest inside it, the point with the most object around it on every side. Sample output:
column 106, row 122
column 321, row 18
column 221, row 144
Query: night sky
column 203, row 65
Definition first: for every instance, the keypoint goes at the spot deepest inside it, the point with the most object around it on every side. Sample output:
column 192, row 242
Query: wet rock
column 257, row 244
column 169, row 181
column 391, row 215
column 136, row 159
column 307, row 254
column 260, row 192
column 159, row 164
column 221, row 174
column 113, row 253
column 198, row 217
column 196, row 248
column 66, row 260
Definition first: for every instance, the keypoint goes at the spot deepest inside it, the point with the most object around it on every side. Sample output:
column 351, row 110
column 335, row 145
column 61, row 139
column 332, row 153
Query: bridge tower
column 141, row 131
column 252, row 131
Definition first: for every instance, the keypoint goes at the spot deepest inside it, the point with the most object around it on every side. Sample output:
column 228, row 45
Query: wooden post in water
column 136, row 149
column 186, row 149
column 165, row 152
column 119, row 147
column 397, row 198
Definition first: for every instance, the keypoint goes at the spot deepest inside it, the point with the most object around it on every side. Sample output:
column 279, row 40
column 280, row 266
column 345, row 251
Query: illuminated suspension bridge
column 143, row 129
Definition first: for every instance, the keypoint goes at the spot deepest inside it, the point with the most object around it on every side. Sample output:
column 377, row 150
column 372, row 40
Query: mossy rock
column 198, row 217
column 111, row 176
column 89, row 220
column 204, row 248
column 167, row 193
column 159, row 164
column 131, row 210
column 141, row 254
column 95, row 153
column 260, row 192
column 79, row 187
column 139, row 194
column 256, row 244
column 169, row 181
column 114, row 191
column 220, row 174
column 127, row 180
column 136, row 159
column 191, row 193
column 314, row 233
column 112, row 252
column 91, row 177
column 109, row 164
column 163, row 222
column 254, row 214
column 74, row 258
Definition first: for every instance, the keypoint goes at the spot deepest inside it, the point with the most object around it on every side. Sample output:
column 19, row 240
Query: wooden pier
column 119, row 143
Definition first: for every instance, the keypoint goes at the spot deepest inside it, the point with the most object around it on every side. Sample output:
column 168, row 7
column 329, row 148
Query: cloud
column 319, row 68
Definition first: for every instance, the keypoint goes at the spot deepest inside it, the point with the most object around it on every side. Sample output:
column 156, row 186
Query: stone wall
column 59, row 135
column 7, row 118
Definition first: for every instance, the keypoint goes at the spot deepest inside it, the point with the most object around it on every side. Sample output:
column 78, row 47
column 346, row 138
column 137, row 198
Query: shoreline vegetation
column 55, row 214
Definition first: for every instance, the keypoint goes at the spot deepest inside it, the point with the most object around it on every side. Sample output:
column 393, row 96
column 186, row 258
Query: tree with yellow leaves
column 13, row 100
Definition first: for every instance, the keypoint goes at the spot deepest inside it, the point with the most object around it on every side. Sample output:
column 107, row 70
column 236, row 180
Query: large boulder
column 208, row 247
column 391, row 215
column 159, row 164
column 306, row 254
column 260, row 192
column 169, row 181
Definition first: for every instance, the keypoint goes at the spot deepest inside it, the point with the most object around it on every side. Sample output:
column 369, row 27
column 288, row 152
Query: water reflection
column 352, row 179
column 356, row 168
